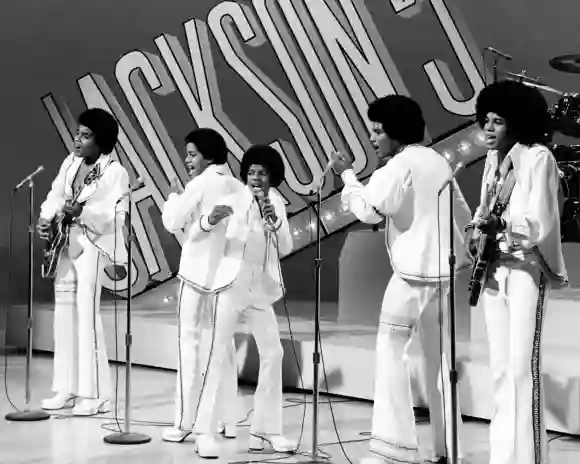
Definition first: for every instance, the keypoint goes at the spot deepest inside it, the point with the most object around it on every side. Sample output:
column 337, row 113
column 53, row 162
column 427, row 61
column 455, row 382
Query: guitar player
column 90, row 192
column 525, row 263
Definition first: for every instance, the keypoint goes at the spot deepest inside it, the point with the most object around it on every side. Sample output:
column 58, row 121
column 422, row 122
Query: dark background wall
column 46, row 45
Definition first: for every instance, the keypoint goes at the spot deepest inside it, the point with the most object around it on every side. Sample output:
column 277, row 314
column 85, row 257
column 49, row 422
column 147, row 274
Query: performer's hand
column 43, row 228
column 491, row 224
column 72, row 210
column 175, row 186
column 340, row 162
column 269, row 212
column 219, row 213
column 471, row 243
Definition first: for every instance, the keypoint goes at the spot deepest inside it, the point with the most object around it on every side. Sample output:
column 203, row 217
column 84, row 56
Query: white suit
column 250, row 283
column 196, row 299
column 514, row 300
column 405, row 191
column 96, row 239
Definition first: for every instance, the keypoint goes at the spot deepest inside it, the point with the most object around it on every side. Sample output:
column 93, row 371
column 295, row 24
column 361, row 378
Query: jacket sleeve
column 534, row 223
column 179, row 208
column 481, row 209
column 382, row 196
column 100, row 218
column 55, row 199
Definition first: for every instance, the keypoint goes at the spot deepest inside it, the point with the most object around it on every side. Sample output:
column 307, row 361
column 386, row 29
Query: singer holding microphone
column 249, row 280
column 84, row 193
column 405, row 192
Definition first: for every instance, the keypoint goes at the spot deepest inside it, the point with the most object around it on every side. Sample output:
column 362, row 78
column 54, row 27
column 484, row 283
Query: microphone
column 263, row 199
column 458, row 167
column 497, row 52
column 140, row 183
column 29, row 177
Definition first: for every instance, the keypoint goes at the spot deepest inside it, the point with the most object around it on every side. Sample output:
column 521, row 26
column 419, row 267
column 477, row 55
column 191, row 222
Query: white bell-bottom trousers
column 394, row 434
column 514, row 303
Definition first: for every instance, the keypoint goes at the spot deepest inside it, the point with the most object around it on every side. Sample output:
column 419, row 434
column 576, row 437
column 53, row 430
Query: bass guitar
column 59, row 233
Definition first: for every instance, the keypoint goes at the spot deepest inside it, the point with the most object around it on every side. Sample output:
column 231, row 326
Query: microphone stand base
column 27, row 416
column 127, row 438
column 318, row 460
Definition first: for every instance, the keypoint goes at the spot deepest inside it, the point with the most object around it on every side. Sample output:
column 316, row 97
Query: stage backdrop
column 296, row 74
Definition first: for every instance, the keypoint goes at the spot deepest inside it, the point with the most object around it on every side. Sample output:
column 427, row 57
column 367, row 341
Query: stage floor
column 348, row 351
column 64, row 439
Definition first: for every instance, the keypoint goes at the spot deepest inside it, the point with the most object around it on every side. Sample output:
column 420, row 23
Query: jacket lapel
column 70, row 175
column 94, row 177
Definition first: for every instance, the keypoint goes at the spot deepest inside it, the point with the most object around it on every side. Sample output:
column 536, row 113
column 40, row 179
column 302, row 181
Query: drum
column 569, row 201
column 566, row 115
column 570, row 221
column 570, row 180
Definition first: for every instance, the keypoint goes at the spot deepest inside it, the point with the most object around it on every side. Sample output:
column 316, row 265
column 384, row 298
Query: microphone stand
column 29, row 415
column 314, row 457
column 127, row 437
column 495, row 60
column 452, row 345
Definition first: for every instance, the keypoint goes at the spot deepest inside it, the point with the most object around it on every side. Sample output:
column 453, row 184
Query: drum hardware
column 566, row 115
column 523, row 77
column 566, row 154
column 566, row 63
column 568, row 160
column 570, row 221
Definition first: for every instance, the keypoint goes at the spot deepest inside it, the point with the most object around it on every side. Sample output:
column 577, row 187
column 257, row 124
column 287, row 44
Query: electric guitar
column 59, row 233
column 485, row 249
column 487, row 245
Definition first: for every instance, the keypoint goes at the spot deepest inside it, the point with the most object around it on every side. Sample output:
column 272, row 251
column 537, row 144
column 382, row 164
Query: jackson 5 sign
column 312, row 67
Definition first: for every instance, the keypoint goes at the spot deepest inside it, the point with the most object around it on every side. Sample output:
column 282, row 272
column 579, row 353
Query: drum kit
column 565, row 118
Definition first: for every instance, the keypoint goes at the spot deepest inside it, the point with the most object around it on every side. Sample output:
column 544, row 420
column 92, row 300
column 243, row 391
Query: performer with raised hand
column 88, row 198
column 206, row 162
column 249, row 280
column 519, row 218
column 405, row 191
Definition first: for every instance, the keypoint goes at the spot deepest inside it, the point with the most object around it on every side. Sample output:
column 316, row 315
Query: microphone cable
column 9, row 300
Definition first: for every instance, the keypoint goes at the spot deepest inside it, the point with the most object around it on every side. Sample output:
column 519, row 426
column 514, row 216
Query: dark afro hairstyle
column 210, row 144
column 524, row 109
column 266, row 156
column 401, row 118
column 104, row 127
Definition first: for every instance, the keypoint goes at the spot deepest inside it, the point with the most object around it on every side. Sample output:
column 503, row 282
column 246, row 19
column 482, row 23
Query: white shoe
column 175, row 435
column 228, row 430
column 278, row 443
column 207, row 447
column 91, row 407
column 58, row 401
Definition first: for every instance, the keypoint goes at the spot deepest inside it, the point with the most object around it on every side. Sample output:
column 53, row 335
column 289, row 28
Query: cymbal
column 545, row 88
column 566, row 63
column 523, row 77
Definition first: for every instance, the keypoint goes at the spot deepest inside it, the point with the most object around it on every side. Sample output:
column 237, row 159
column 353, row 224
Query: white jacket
column 532, row 213
column 102, row 217
column 405, row 191
column 199, row 254
column 224, row 258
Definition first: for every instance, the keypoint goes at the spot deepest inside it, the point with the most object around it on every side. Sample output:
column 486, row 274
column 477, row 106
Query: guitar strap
column 503, row 197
